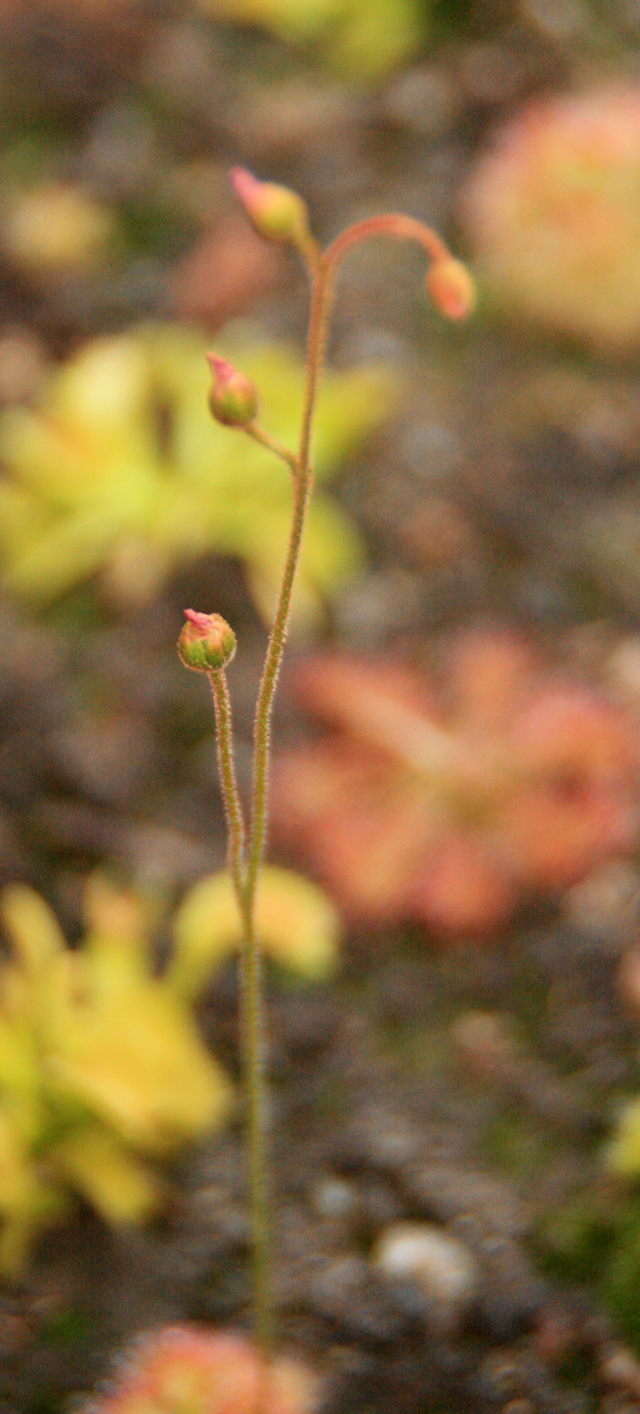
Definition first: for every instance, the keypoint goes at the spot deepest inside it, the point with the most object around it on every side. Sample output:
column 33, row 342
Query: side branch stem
column 303, row 484
column 396, row 225
column 252, row 1010
column 266, row 440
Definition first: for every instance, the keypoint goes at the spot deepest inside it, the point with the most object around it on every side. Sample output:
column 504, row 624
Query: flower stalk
column 281, row 215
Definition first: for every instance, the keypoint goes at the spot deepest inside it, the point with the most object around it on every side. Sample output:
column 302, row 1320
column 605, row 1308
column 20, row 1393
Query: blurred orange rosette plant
column 553, row 214
column 451, row 804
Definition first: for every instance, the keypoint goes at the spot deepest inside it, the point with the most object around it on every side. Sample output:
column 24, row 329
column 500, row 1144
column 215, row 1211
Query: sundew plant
column 207, row 643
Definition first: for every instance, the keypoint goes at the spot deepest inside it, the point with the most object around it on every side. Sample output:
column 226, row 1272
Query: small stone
column 619, row 1367
column 447, row 1192
column 500, row 1375
column 345, row 1292
column 384, row 1138
column 607, row 902
column 556, row 19
column 443, row 1266
column 507, row 1310
column 333, row 1197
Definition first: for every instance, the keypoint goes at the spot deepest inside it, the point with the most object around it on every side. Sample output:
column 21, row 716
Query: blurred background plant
column 451, row 806
column 360, row 39
column 552, row 211
column 121, row 467
column 183, row 1370
column 102, row 1068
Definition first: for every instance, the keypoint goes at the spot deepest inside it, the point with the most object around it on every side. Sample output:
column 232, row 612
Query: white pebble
column 445, row 1269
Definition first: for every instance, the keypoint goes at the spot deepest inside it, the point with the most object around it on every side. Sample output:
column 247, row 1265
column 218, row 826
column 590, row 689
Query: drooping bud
column 233, row 399
column 275, row 212
column 206, row 642
column 451, row 287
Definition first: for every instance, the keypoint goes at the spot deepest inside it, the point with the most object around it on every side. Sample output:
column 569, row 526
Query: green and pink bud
column 206, row 643
column 233, row 399
column 275, row 212
column 450, row 285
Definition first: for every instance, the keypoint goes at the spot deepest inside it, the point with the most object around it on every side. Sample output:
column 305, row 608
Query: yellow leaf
column 622, row 1154
column 361, row 38
column 102, row 390
column 66, row 551
column 26, row 1203
column 32, row 927
column 134, row 1058
column 296, row 923
column 117, row 1184
column 121, row 468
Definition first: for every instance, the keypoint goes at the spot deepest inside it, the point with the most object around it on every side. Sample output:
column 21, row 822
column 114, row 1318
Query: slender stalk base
column 244, row 858
column 252, row 1026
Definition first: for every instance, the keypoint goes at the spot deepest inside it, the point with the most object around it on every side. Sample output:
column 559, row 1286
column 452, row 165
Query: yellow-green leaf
column 296, row 924
column 32, row 927
column 118, row 1185
column 622, row 1153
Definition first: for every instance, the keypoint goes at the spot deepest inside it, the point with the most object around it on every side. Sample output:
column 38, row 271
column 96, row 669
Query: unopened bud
column 451, row 287
column 276, row 213
column 233, row 398
column 206, row 642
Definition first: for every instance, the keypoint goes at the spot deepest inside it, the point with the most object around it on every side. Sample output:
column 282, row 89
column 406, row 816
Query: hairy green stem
column 252, row 1019
column 230, row 794
column 302, row 490
column 321, row 270
column 259, row 435
column 252, row 1029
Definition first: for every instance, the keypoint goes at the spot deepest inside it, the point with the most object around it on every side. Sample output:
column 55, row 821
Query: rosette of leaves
column 553, row 212
column 121, row 469
column 103, row 1072
column 451, row 802
column 102, row 1068
column 187, row 1370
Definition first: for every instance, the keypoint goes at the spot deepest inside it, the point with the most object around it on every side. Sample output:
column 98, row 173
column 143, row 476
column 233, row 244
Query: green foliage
column 594, row 1239
column 621, row 1277
column 102, row 1068
column 575, row 1241
column 360, row 38
column 122, row 469
column 623, row 1150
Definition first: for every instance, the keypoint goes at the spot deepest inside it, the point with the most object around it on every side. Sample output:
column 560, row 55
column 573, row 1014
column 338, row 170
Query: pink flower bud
column 450, row 285
column 277, row 213
column 206, row 642
column 233, row 398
